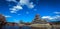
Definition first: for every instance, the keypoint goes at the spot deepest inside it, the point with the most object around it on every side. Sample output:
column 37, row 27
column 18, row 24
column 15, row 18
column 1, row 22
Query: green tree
column 21, row 22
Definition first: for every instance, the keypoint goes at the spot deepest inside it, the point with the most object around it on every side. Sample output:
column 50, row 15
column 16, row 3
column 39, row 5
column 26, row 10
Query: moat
column 16, row 27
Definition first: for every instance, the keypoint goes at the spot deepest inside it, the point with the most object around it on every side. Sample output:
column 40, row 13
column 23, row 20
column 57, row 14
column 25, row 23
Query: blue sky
column 16, row 10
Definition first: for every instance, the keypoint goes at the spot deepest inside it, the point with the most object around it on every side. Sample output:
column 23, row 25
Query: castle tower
column 38, row 20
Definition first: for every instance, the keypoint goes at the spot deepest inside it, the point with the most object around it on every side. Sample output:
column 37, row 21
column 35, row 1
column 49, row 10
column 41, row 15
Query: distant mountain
column 55, row 21
column 52, row 20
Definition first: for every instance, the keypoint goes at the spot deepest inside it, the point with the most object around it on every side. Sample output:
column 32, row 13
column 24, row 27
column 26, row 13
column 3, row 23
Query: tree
column 21, row 22
column 2, row 21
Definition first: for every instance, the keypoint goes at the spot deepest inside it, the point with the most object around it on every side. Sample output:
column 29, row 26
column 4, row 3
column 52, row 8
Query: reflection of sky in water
column 26, row 27
column 15, row 27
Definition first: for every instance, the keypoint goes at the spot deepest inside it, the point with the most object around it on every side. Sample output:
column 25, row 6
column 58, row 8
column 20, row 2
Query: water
column 26, row 27
column 16, row 27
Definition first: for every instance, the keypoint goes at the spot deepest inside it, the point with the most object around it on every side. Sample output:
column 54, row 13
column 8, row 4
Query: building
column 39, row 23
column 38, row 20
column 55, row 24
column 11, row 24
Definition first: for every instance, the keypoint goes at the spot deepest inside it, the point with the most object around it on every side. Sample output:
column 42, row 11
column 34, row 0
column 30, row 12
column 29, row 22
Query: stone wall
column 40, row 26
column 55, row 26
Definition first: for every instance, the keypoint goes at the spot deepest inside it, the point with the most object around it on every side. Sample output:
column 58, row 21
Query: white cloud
column 19, row 5
column 27, row 3
column 57, row 17
column 57, row 12
column 7, row 16
column 19, row 14
column 47, row 17
column 35, row 9
column 31, row 5
column 12, row 11
column 52, row 17
column 24, row 2
column 15, row 9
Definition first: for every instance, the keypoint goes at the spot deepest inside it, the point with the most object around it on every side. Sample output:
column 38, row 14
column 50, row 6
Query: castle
column 38, row 20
